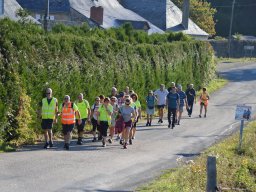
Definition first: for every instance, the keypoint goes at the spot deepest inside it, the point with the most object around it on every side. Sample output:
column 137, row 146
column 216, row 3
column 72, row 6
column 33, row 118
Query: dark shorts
column 95, row 125
column 104, row 128
column 202, row 103
column 160, row 106
column 47, row 123
column 80, row 128
column 67, row 128
column 128, row 124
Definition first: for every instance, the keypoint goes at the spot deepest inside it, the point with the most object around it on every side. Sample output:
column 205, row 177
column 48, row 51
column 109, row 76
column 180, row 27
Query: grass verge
column 5, row 147
column 216, row 84
column 236, row 170
column 235, row 60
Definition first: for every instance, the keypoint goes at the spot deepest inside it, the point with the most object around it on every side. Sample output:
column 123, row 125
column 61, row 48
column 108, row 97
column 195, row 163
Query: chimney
column 185, row 13
column 97, row 14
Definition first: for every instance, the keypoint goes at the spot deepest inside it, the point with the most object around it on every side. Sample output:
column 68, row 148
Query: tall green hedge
column 32, row 60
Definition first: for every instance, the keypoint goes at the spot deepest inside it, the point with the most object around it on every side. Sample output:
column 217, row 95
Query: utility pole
column 230, row 28
column 46, row 16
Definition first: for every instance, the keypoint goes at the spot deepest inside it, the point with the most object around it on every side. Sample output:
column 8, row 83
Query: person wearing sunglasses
column 49, row 110
column 69, row 111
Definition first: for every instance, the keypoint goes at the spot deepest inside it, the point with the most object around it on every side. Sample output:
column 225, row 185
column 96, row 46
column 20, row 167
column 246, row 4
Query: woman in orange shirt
column 204, row 97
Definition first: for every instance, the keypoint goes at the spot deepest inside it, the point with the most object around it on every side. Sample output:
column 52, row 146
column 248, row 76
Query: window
column 1, row 7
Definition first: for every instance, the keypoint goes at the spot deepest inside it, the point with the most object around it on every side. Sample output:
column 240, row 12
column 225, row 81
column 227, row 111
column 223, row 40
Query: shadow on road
column 239, row 75
column 186, row 155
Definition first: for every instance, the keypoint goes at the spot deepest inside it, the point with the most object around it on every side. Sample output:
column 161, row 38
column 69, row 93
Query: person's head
column 162, row 87
column 102, row 97
column 127, row 102
column 97, row 100
column 127, row 89
column 48, row 93
column 172, row 84
column 106, row 101
column 179, row 87
column 113, row 99
column 173, row 88
column 114, row 91
column 204, row 89
column 66, row 99
column 134, row 97
column 131, row 92
column 127, row 97
column 191, row 86
column 150, row 93
column 121, row 94
column 80, row 97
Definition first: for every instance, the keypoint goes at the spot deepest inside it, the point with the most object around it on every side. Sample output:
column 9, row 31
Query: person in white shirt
column 161, row 101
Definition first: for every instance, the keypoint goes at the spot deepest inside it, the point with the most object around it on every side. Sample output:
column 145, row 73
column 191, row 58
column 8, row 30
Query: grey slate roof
column 10, row 8
column 113, row 11
column 39, row 5
column 164, row 14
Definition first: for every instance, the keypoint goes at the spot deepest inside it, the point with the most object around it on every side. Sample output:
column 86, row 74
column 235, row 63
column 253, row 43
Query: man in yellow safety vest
column 85, row 112
column 49, row 112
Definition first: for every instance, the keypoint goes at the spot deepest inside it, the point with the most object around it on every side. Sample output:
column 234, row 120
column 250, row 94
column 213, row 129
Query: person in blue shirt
column 191, row 98
column 172, row 103
column 183, row 101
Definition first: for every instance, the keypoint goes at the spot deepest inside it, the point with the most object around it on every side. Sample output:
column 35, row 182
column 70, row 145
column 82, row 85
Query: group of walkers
column 117, row 114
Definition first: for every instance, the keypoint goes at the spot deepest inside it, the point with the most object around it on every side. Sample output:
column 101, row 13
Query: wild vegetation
column 71, row 60
column 236, row 168
column 202, row 13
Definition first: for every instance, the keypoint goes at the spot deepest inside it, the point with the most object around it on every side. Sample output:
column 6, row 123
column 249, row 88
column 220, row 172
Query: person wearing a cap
column 150, row 100
column 161, row 101
column 128, row 114
column 85, row 112
column 191, row 98
column 68, row 113
column 104, row 119
column 113, row 102
column 172, row 103
column 183, row 101
column 204, row 97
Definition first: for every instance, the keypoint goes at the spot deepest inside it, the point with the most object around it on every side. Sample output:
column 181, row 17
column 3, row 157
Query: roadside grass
column 5, row 147
column 235, row 60
column 216, row 84
column 236, row 170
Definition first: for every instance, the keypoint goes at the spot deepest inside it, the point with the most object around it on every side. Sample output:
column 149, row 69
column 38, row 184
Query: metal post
column 211, row 174
column 46, row 16
column 230, row 27
column 241, row 134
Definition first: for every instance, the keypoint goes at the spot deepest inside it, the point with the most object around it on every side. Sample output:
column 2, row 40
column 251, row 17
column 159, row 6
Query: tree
column 201, row 13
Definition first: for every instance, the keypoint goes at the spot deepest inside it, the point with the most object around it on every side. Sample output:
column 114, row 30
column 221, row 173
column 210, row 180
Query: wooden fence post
column 211, row 174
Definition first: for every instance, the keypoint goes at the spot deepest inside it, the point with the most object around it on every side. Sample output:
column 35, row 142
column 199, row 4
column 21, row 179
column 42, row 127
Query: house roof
column 164, row 14
column 113, row 11
column 174, row 18
column 10, row 8
column 40, row 5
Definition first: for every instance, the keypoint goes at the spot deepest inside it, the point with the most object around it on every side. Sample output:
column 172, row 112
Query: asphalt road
column 93, row 168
